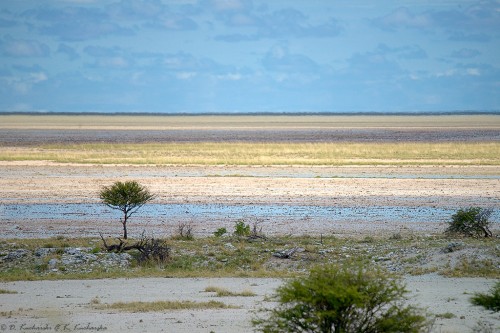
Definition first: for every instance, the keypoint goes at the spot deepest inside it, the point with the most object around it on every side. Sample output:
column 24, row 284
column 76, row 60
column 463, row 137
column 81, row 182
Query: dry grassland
column 163, row 122
column 207, row 153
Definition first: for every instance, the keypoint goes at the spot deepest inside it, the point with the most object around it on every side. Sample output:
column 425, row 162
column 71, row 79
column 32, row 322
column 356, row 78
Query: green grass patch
column 162, row 306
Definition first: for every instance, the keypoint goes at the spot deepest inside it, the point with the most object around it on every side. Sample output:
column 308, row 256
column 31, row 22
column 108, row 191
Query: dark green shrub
column 490, row 301
column 220, row 232
column 471, row 222
column 347, row 299
column 241, row 229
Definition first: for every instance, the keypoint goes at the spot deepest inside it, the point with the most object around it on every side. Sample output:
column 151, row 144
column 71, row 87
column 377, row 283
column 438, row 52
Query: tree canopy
column 127, row 197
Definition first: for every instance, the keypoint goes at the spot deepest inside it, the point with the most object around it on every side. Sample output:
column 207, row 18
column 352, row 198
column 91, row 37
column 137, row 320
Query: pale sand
column 52, row 303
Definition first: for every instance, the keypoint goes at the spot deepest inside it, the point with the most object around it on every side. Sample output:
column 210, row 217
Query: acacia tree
column 127, row 197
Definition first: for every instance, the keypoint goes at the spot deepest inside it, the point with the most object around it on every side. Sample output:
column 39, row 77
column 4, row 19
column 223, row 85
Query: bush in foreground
column 490, row 301
column 471, row 222
column 343, row 299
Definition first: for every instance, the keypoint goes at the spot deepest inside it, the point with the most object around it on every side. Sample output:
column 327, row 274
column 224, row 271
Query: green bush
column 490, row 301
column 342, row 299
column 220, row 232
column 241, row 229
column 471, row 222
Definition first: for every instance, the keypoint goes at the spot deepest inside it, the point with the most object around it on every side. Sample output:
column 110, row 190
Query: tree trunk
column 125, row 226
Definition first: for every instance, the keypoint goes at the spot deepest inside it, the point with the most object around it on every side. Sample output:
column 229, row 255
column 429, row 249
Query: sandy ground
column 431, row 187
column 59, row 305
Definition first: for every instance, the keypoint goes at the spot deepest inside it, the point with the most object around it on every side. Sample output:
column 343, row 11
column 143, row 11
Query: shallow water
column 165, row 212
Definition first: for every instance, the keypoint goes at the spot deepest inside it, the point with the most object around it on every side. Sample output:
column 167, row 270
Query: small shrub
column 241, row 229
column 184, row 231
column 396, row 236
column 471, row 222
column 342, row 299
column 220, row 232
column 256, row 232
column 95, row 301
column 153, row 250
column 446, row 315
column 489, row 301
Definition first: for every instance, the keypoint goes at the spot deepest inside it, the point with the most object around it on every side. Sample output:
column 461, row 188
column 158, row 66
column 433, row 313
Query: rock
column 74, row 256
column 16, row 255
column 53, row 263
column 116, row 259
column 285, row 254
column 76, row 250
column 453, row 246
column 378, row 259
column 44, row 251
column 229, row 246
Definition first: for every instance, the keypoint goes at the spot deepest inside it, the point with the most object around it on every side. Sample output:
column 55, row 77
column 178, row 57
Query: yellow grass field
column 216, row 153
column 205, row 150
column 151, row 122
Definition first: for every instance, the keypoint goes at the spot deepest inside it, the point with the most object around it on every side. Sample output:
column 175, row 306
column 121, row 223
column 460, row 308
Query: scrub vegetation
column 232, row 256
column 491, row 300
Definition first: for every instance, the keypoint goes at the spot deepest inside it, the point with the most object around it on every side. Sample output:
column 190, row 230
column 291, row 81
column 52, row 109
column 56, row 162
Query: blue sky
column 245, row 56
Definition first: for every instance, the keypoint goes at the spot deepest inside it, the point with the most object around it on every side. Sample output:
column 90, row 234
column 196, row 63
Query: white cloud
column 473, row 71
column 24, row 48
column 223, row 5
column 230, row 77
column 185, row 75
column 22, row 84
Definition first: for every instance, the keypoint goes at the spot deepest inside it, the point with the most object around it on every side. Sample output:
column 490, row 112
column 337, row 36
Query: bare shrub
column 150, row 248
column 185, row 231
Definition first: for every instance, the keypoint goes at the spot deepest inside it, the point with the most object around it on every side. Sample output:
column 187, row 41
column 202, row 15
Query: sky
column 249, row 55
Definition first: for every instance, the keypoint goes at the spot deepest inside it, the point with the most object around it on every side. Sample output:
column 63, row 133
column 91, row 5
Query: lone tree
column 343, row 299
column 127, row 197
column 471, row 222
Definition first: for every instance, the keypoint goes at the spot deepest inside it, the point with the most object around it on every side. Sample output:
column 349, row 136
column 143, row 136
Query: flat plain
column 428, row 165
column 335, row 176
